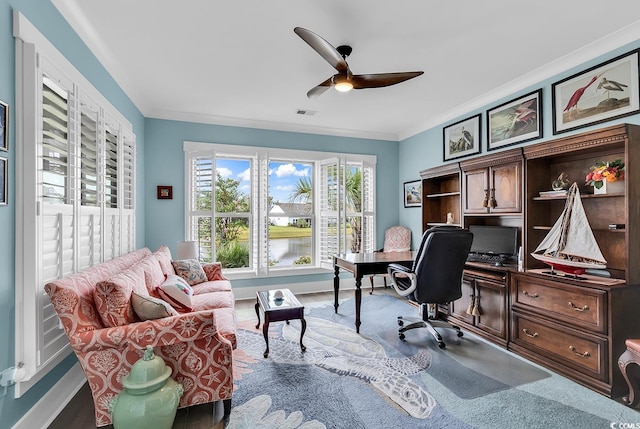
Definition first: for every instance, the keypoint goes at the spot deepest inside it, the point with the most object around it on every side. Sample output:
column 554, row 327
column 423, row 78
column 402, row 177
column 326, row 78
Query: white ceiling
column 240, row 63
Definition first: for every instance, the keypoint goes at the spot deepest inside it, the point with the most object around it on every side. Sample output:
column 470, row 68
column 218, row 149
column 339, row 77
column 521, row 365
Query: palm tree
column 353, row 193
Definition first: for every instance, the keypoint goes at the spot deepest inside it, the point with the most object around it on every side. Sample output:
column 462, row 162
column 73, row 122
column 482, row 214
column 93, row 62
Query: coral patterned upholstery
column 396, row 239
column 197, row 345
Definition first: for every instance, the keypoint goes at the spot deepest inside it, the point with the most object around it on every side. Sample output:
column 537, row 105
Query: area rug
column 375, row 380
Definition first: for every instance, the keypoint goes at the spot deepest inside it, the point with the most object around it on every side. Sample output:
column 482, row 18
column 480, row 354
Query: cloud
column 224, row 172
column 245, row 175
column 284, row 170
column 245, row 187
column 285, row 188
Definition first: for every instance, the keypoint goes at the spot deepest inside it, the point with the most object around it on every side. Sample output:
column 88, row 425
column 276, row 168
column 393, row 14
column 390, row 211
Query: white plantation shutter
column 368, row 207
column 330, row 231
column 56, row 226
column 199, row 191
column 260, row 186
column 90, row 219
column 75, row 202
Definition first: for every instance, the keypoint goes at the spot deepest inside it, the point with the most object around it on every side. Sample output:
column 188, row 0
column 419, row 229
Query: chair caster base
column 401, row 336
column 460, row 334
column 441, row 344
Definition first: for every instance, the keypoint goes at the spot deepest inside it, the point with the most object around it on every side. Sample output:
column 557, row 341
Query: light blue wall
column 44, row 16
column 425, row 150
column 164, row 160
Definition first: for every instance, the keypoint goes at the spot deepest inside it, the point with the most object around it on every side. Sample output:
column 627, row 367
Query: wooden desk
column 364, row 264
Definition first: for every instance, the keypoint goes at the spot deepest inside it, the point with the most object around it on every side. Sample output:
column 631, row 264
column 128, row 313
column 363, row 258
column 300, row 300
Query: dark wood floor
column 79, row 412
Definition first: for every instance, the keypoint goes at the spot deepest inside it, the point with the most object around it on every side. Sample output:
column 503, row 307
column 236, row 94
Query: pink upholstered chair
column 396, row 239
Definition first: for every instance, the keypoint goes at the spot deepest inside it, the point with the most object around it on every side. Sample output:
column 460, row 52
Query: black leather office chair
column 435, row 278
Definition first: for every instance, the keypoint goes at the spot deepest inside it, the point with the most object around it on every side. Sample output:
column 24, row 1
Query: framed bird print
column 599, row 94
column 462, row 138
column 515, row 121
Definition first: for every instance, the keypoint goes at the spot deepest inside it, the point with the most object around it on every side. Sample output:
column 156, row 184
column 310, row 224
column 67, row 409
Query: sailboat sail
column 571, row 243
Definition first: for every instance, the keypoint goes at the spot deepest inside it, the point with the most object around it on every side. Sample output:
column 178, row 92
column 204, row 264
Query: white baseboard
column 53, row 402
column 307, row 287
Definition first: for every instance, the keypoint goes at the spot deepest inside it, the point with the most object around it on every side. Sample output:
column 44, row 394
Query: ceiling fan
column 344, row 80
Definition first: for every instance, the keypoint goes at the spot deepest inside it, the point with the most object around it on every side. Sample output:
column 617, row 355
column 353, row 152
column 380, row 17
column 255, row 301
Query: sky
column 283, row 175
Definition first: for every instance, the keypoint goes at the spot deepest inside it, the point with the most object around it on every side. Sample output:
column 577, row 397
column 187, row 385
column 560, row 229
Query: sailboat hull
column 566, row 266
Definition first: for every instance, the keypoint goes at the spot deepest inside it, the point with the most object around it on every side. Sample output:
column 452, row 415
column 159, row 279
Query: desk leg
column 336, row 287
column 258, row 314
column 358, row 301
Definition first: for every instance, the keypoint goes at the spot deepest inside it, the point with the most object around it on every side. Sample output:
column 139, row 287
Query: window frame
column 36, row 322
column 259, row 192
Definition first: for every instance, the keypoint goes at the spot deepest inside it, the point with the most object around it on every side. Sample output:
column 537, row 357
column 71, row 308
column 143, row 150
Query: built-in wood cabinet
column 483, row 306
column 575, row 326
column 441, row 195
column 493, row 183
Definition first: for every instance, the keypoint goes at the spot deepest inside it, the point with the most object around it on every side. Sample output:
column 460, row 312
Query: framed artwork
column 462, row 138
column 4, row 126
column 599, row 94
column 4, row 188
column 413, row 193
column 515, row 121
column 165, row 192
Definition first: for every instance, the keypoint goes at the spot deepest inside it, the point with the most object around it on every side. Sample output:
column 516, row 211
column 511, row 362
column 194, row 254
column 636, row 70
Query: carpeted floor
column 373, row 380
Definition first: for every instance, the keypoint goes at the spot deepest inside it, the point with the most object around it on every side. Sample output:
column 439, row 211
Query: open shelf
column 443, row 194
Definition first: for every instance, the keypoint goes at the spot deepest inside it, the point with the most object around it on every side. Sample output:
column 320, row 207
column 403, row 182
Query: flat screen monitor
column 497, row 240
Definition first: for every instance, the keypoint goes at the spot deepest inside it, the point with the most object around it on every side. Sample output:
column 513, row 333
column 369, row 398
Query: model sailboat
column 570, row 245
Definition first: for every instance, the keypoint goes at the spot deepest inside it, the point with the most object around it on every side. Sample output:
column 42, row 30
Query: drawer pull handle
column 526, row 332
column 584, row 355
column 583, row 308
column 530, row 295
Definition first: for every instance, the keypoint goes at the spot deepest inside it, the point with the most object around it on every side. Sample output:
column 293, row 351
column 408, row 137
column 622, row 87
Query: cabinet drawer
column 586, row 353
column 583, row 307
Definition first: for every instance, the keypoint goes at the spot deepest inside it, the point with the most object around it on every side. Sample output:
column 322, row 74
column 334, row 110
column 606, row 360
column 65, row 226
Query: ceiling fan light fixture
column 343, row 86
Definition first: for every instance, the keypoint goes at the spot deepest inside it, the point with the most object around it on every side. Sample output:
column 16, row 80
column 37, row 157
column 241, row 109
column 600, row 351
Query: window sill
column 285, row 272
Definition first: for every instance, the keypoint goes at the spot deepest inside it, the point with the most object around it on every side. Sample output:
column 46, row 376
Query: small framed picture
column 462, row 138
column 599, row 94
column 4, row 126
column 515, row 121
column 4, row 188
column 413, row 193
column 165, row 192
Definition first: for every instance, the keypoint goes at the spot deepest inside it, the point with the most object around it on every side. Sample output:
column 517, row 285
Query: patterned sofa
column 108, row 337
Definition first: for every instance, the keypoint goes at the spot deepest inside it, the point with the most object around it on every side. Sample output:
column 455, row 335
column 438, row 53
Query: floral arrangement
column 609, row 171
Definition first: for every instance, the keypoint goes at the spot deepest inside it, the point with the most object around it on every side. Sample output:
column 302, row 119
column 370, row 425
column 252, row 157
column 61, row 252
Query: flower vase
column 616, row 187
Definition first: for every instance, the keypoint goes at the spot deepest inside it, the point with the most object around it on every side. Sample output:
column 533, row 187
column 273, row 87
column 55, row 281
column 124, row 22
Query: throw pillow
column 113, row 297
column 163, row 255
column 190, row 270
column 153, row 275
column 149, row 308
column 177, row 292
column 213, row 270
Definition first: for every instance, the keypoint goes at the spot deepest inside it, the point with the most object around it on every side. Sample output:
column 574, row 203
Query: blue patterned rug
column 374, row 380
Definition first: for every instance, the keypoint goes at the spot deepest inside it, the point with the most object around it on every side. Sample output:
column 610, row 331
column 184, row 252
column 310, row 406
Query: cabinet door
column 506, row 188
column 493, row 309
column 459, row 307
column 475, row 189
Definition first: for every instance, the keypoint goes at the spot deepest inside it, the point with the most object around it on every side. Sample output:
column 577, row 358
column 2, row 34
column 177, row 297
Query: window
column 261, row 205
column 75, row 192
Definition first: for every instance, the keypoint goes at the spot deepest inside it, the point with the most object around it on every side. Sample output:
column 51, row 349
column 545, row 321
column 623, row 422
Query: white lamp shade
column 187, row 250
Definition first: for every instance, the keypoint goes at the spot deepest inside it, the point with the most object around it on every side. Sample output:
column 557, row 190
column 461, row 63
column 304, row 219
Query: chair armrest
column 160, row 332
column 398, row 267
column 403, row 279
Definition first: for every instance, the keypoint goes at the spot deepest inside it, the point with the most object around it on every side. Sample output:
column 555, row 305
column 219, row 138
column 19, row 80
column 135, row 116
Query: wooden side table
column 278, row 310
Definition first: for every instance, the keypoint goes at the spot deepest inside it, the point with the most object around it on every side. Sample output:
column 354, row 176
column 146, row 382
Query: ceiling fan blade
column 320, row 89
column 378, row 80
column 324, row 48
